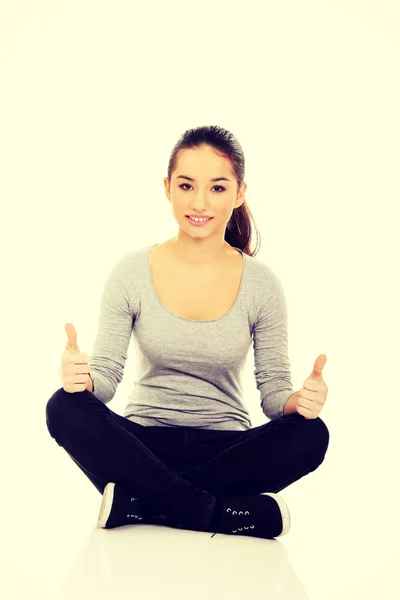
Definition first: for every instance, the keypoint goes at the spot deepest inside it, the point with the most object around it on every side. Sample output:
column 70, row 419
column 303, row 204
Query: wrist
column 291, row 404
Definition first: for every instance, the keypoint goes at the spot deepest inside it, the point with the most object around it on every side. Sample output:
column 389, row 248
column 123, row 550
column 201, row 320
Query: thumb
column 318, row 366
column 71, row 345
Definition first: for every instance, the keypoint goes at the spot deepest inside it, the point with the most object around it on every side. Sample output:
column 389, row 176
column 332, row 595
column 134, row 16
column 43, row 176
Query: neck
column 196, row 255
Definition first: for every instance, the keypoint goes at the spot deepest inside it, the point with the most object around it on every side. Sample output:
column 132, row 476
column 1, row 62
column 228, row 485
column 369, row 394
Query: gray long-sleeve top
column 189, row 373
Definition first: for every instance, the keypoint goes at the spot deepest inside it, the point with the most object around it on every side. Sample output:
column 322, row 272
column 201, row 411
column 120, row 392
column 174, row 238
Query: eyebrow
column 191, row 178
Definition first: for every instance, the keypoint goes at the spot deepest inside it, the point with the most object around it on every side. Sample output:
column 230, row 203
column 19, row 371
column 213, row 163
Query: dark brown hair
column 239, row 230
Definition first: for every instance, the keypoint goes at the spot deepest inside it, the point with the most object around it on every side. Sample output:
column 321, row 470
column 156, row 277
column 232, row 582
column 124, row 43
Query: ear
column 166, row 185
column 241, row 195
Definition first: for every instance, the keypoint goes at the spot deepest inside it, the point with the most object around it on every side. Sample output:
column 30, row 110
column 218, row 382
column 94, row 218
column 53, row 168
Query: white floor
column 322, row 148
column 343, row 543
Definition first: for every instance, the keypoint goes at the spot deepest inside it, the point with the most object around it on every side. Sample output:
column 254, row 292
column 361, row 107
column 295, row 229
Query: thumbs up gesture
column 75, row 366
column 312, row 395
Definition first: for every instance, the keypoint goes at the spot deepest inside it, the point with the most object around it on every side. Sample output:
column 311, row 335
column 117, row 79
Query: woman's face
column 200, row 196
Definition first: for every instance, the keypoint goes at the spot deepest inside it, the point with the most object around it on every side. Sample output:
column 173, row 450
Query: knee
column 55, row 408
column 60, row 407
column 320, row 435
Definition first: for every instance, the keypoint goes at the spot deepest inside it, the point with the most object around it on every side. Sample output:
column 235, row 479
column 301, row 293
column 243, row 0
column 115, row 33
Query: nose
column 199, row 207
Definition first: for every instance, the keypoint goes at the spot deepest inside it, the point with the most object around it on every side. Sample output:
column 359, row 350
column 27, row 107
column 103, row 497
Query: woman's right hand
column 75, row 366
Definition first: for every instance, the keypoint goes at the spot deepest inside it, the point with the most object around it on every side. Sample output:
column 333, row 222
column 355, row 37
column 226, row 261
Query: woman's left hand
column 312, row 396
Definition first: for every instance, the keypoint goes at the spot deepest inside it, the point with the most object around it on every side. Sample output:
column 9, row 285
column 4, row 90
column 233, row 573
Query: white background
column 93, row 96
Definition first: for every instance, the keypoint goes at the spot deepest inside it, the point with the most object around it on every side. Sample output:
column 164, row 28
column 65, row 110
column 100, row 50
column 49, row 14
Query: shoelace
column 139, row 518
column 240, row 513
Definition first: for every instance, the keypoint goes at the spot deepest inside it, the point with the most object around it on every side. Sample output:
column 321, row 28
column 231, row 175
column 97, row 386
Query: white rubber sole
column 284, row 512
column 106, row 504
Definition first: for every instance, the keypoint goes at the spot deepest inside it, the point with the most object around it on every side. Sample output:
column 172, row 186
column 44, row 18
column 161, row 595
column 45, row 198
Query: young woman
column 184, row 453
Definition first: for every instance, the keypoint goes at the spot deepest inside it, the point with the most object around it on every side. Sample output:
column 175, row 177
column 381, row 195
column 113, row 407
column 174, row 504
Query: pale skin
column 310, row 400
column 202, row 247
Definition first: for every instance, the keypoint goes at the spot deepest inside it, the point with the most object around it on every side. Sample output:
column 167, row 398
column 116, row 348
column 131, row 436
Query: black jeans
column 181, row 471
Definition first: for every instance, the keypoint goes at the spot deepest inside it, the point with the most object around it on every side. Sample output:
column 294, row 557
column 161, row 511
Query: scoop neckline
column 244, row 256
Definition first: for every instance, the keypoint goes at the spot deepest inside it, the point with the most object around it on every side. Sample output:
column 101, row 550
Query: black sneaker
column 262, row 515
column 119, row 508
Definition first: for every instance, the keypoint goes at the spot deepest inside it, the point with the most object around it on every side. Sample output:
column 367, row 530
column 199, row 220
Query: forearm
column 291, row 403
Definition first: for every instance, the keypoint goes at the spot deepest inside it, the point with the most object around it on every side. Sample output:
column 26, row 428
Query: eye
column 216, row 186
